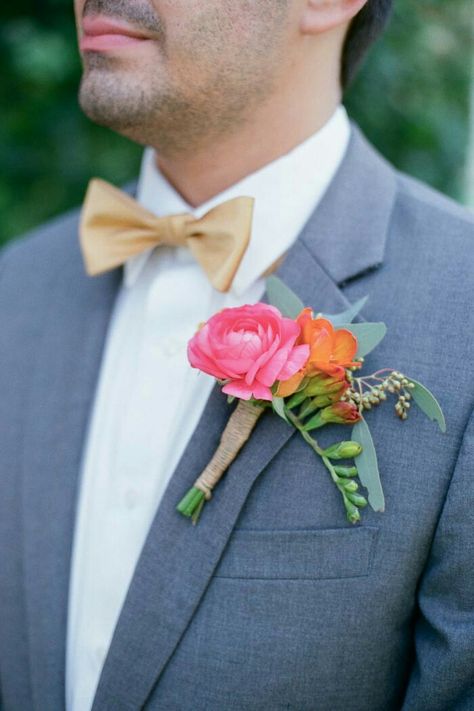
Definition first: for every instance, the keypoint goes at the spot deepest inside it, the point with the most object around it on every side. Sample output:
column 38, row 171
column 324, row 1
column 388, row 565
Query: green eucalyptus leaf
column 281, row 296
column 427, row 402
column 278, row 404
column 347, row 316
column 368, row 336
column 368, row 467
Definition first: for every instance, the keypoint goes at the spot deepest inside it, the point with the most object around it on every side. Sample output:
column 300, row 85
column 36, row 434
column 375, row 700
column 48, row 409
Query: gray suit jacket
column 273, row 601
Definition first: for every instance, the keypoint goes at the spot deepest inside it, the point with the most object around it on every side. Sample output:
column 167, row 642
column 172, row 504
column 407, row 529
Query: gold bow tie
column 115, row 227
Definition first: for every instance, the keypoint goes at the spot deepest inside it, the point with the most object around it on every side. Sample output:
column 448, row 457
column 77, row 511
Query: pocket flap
column 299, row 554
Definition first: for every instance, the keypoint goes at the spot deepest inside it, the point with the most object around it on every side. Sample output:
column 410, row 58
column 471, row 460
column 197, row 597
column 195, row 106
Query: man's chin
column 105, row 114
column 104, row 98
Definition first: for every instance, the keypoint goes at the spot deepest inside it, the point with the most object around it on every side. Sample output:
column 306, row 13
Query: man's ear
column 323, row 15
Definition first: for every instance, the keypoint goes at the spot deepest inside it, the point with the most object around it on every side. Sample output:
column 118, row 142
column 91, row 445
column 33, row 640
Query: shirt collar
column 286, row 192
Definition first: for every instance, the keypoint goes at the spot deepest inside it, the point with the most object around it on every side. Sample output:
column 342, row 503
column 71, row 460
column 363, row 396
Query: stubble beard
column 176, row 116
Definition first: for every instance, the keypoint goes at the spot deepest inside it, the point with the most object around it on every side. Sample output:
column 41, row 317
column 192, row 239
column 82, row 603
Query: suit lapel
column 62, row 389
column 344, row 238
column 347, row 233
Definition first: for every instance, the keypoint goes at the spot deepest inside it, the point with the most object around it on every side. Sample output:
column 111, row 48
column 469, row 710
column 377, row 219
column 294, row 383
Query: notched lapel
column 178, row 560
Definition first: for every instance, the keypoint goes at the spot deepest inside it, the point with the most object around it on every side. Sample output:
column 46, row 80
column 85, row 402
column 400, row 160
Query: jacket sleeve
column 442, row 677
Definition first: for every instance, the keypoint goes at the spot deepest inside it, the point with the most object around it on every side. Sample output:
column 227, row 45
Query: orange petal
column 321, row 348
column 336, row 371
column 344, row 347
column 320, row 324
column 305, row 315
column 290, row 386
column 304, row 318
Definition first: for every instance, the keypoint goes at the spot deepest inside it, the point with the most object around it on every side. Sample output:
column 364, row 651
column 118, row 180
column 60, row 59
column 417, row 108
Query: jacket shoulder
column 436, row 234
column 45, row 247
column 54, row 242
column 442, row 216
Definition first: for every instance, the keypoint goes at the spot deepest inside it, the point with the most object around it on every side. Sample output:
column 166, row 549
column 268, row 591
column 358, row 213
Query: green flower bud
column 357, row 499
column 345, row 471
column 316, row 403
column 324, row 400
column 309, row 406
column 352, row 512
column 350, row 485
column 339, row 413
column 323, row 384
column 295, row 400
column 343, row 450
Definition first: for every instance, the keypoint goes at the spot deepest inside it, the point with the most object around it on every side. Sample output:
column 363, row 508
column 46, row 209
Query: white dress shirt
column 149, row 400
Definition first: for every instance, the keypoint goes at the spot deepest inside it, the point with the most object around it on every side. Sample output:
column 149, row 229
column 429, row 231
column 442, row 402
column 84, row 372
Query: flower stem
column 190, row 502
column 352, row 512
column 235, row 435
column 306, row 436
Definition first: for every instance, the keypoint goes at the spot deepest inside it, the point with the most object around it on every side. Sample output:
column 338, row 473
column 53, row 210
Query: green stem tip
column 191, row 503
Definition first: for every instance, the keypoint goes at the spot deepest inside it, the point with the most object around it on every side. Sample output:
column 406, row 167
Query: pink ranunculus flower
column 251, row 347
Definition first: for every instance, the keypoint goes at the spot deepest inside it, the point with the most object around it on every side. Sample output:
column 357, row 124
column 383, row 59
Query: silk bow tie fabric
column 115, row 227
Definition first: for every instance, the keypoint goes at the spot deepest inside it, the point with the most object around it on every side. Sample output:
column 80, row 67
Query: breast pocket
column 299, row 554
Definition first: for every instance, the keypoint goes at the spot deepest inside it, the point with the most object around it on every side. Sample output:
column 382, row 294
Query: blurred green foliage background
column 411, row 99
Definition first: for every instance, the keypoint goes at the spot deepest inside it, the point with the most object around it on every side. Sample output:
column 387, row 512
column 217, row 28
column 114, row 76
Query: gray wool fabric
column 273, row 601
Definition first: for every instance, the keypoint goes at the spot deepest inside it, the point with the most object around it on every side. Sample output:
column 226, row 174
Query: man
column 109, row 598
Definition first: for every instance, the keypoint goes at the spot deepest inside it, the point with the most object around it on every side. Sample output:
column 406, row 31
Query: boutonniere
column 306, row 368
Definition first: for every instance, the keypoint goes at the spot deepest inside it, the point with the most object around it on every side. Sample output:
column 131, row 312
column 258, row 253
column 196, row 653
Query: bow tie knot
column 115, row 227
column 175, row 230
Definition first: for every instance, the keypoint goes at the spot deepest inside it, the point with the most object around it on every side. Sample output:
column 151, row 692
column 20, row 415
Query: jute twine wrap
column 236, row 433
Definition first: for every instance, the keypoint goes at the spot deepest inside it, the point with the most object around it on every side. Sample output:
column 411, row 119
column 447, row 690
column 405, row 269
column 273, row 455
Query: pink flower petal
column 261, row 360
column 200, row 361
column 250, row 345
column 289, row 330
column 261, row 392
column 238, row 388
column 268, row 374
column 297, row 360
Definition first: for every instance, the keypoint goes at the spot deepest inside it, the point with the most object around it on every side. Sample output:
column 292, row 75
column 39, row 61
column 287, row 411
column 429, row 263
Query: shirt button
column 131, row 499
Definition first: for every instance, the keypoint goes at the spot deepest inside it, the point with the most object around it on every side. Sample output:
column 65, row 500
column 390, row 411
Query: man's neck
column 276, row 128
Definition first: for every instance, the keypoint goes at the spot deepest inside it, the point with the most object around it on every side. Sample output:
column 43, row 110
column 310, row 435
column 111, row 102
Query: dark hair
column 364, row 29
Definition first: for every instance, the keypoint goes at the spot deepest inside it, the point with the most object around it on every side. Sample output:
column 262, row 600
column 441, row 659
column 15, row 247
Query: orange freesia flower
column 340, row 413
column 331, row 350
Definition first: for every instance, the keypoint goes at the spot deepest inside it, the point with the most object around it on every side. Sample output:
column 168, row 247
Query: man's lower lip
column 101, row 43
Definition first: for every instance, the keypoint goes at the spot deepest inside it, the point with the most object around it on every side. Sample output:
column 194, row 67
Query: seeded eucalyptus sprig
column 368, row 391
